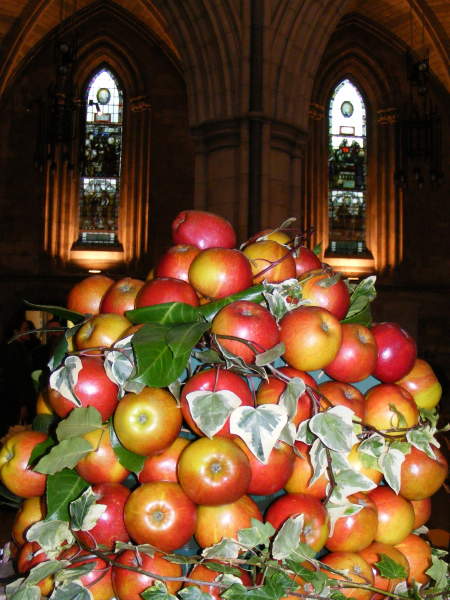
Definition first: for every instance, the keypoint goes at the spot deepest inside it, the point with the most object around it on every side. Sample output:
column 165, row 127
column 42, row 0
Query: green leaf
column 40, row 450
column 304, row 434
column 128, row 459
column 158, row 591
column 235, row 592
column 182, row 338
column 211, row 410
column 270, row 356
column 44, row 423
column 334, row 428
column 18, row 591
column 291, row 394
column 259, row 534
column 276, row 584
column 85, row 512
column 423, row 439
column 360, row 299
column 349, row 482
column 317, row 579
column 147, row 549
column 58, row 311
column 318, row 249
column 192, row 592
column 59, row 352
column 252, row 294
column 168, row 313
column 64, row 455
column 226, row 548
column 50, row 535
column 363, row 317
column 79, row 422
column 287, row 539
column 330, row 281
column 71, row 591
column 221, row 568
column 119, row 366
column 319, row 460
column 62, row 488
column 438, row 571
column 259, row 427
column 389, row 568
column 72, row 572
column 45, row 569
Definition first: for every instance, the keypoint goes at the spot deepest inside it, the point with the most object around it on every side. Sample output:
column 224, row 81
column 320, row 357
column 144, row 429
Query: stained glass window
column 101, row 161
column 347, row 169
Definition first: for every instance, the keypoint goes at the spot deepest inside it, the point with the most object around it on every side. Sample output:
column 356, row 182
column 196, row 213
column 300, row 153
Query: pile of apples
column 234, row 426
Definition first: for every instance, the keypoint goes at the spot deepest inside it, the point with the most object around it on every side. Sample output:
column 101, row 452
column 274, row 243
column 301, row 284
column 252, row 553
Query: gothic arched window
column 101, row 157
column 347, row 172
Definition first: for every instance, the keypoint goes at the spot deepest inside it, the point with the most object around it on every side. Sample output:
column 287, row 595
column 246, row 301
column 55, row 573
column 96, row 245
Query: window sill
column 102, row 259
column 351, row 267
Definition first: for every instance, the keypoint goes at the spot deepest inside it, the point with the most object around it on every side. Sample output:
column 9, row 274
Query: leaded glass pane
column 102, row 151
column 347, row 171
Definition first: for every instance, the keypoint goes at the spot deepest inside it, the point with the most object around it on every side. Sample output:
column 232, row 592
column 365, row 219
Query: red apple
column 271, row 477
column 225, row 520
column 176, row 261
column 101, row 331
column 165, row 289
column 163, row 466
column 357, row 355
column 160, row 514
column 316, row 521
column 355, row 567
column 306, row 260
column 373, row 554
column 147, row 422
column 312, row 337
column 422, row 384
column 214, row 471
column 355, row 532
column 110, row 527
column 248, row 321
column 397, row 352
column 324, row 289
column 121, row 296
column 422, row 511
column 30, row 511
column 337, row 393
column 418, row 554
column 93, row 388
column 270, row 391
column 214, row 380
column 395, row 515
column 422, row 476
column 203, row 229
column 15, row 473
column 129, row 585
column 86, row 295
column 101, row 465
column 219, row 272
column 390, row 408
column 270, row 261
column 298, row 483
column 99, row 579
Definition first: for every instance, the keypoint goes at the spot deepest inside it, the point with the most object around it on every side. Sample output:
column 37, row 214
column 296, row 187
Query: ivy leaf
column 283, row 297
column 236, row 591
column 211, row 410
column 85, row 512
column 119, row 366
column 64, row 379
column 147, row 549
column 221, row 568
column 438, row 570
column 226, row 548
column 291, row 394
column 334, row 428
column 192, row 592
column 79, row 422
column 58, row 311
column 64, row 455
column 304, row 434
column 128, row 459
column 349, row 482
column 71, row 591
column 45, row 569
column 287, row 539
column 269, row 356
column 319, row 460
column 256, row 535
column 235, row 362
column 158, row 591
column 317, row 579
column 18, row 591
column 62, row 488
column 50, row 535
column 259, row 427
column 390, row 464
column 276, row 584
column 167, row 313
column 390, row 569
column 423, row 439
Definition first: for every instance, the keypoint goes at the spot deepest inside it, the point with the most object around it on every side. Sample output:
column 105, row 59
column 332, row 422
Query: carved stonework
column 387, row 116
column 316, row 111
column 139, row 104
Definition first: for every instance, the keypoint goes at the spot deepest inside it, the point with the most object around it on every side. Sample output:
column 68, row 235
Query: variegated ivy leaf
column 288, row 434
column 147, row 549
column 233, row 361
column 211, row 410
column 319, row 461
column 291, row 394
column 287, row 539
column 259, row 427
column 228, row 579
column 349, row 482
column 283, row 297
column 45, row 569
column 439, row 569
column 120, row 366
column 85, row 512
column 423, row 439
column 192, row 592
column 390, row 463
column 64, row 379
column 343, row 509
column 334, row 428
column 71, row 590
column 175, row 390
column 304, row 434
column 226, row 548
column 269, row 356
column 157, row 591
column 258, row 534
column 51, row 536
column 73, row 573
